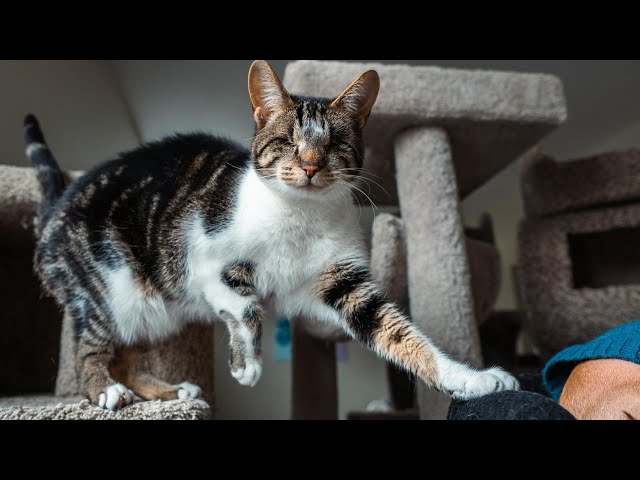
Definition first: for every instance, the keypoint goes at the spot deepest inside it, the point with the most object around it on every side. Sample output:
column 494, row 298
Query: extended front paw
column 249, row 373
column 114, row 397
column 473, row 384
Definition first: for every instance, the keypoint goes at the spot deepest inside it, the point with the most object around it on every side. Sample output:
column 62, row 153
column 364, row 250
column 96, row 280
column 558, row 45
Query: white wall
column 82, row 113
column 187, row 95
column 625, row 138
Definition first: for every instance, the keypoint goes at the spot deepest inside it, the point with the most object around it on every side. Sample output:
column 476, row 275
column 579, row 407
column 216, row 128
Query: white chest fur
column 289, row 240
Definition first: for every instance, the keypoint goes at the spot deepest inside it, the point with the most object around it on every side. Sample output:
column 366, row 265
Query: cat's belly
column 143, row 315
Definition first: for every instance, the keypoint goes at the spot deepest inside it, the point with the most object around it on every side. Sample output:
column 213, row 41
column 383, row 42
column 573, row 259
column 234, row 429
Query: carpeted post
column 440, row 294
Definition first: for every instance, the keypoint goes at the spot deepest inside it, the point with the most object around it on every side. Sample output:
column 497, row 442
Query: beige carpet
column 49, row 407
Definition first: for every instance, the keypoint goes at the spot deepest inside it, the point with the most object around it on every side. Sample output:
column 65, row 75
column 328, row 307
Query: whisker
column 366, row 180
column 359, row 207
column 233, row 166
column 357, row 224
column 350, row 185
column 373, row 205
column 362, row 170
column 369, row 187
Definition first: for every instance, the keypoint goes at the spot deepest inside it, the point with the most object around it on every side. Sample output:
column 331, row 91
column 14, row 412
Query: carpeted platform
column 49, row 407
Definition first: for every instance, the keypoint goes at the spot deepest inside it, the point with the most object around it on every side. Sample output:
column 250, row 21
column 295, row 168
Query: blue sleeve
column 622, row 342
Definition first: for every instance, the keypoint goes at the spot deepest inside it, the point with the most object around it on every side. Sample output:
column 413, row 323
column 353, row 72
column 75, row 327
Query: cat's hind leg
column 84, row 295
column 93, row 360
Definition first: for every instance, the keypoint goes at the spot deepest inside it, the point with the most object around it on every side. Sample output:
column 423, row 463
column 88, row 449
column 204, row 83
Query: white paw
column 250, row 374
column 115, row 396
column 188, row 390
column 477, row 384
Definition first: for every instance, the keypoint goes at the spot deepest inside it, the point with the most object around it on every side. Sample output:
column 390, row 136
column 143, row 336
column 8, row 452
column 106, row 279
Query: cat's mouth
column 310, row 187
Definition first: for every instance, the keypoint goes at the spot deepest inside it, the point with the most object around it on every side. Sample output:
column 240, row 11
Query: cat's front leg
column 377, row 323
column 236, row 303
column 245, row 359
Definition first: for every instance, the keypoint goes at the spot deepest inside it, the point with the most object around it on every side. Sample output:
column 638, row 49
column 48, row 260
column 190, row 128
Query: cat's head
column 305, row 146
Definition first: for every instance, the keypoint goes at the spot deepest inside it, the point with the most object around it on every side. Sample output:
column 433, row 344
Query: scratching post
column 435, row 242
column 314, row 376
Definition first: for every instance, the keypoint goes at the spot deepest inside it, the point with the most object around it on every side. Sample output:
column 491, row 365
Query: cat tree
column 37, row 344
column 579, row 261
column 434, row 136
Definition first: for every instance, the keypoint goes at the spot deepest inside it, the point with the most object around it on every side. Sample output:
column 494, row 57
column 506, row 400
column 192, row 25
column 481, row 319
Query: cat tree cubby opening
column 606, row 258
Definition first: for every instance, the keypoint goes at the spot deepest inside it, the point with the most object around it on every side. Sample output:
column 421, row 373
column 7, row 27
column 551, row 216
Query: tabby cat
column 196, row 228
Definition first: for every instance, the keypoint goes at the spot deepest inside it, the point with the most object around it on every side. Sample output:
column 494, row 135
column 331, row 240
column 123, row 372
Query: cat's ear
column 359, row 97
column 267, row 94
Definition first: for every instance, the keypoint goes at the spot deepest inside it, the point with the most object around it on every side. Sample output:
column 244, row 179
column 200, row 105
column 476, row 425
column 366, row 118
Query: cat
column 196, row 228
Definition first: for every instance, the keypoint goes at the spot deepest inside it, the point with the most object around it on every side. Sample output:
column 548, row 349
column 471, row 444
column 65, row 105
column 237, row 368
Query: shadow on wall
column 79, row 104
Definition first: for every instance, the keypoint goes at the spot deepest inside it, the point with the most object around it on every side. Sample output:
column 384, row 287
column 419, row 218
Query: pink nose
column 311, row 170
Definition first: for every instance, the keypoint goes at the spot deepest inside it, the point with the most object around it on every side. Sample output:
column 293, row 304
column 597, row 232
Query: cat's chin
column 309, row 191
column 313, row 188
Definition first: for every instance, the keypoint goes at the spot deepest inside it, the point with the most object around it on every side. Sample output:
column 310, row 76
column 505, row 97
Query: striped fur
column 374, row 321
column 195, row 228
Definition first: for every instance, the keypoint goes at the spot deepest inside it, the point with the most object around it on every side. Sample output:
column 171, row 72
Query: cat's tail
column 49, row 174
